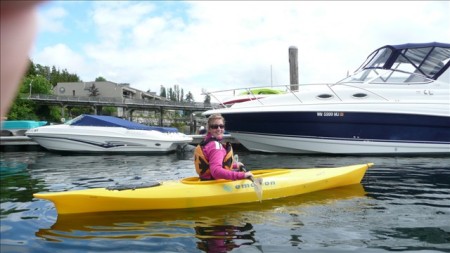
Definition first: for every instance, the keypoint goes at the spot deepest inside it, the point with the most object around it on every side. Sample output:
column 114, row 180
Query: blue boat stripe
column 344, row 126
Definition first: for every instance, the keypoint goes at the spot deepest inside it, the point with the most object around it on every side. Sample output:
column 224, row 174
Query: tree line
column 40, row 79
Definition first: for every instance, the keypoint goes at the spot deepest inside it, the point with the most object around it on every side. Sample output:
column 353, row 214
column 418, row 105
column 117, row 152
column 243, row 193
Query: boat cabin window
column 360, row 95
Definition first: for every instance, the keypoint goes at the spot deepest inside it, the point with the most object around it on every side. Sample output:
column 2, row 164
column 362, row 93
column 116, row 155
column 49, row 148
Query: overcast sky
column 226, row 44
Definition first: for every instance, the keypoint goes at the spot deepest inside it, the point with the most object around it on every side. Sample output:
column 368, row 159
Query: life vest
column 202, row 163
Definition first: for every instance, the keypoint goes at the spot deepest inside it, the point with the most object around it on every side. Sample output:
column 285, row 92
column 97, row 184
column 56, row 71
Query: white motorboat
column 397, row 102
column 106, row 134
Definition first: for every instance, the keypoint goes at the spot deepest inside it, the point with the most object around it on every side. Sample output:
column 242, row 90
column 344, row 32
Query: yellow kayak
column 191, row 193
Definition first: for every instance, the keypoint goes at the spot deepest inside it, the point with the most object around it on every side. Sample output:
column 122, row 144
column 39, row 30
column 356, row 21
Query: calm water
column 403, row 204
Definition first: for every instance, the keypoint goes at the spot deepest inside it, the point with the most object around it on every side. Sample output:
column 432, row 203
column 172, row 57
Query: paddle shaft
column 236, row 160
column 256, row 184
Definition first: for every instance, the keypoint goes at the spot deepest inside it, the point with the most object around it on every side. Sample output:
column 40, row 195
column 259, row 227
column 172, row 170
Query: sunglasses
column 217, row 126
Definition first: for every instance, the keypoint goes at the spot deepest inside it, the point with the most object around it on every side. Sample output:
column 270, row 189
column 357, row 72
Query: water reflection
column 16, row 184
column 218, row 229
column 409, row 185
column 223, row 238
column 57, row 172
column 430, row 237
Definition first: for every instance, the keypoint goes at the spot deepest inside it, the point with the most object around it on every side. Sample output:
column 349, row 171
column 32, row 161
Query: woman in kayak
column 214, row 160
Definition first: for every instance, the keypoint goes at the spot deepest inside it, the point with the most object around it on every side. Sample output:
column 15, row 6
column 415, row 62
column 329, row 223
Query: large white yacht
column 397, row 102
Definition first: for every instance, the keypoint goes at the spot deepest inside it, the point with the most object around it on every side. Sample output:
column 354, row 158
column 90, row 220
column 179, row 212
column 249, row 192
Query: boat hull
column 192, row 193
column 293, row 145
column 340, row 132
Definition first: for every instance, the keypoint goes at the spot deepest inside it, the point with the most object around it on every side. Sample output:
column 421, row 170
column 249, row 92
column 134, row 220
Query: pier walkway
column 128, row 105
column 118, row 102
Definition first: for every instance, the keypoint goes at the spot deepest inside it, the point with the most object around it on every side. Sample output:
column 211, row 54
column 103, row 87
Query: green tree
column 80, row 110
column 31, row 71
column 53, row 75
column 43, row 71
column 110, row 111
column 27, row 109
column 207, row 99
column 162, row 92
column 176, row 93
column 35, row 85
column 22, row 110
column 65, row 76
column 172, row 95
column 100, row 79
column 189, row 97
column 93, row 91
column 39, row 79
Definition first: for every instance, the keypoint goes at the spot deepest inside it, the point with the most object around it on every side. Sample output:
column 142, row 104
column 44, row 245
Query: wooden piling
column 293, row 68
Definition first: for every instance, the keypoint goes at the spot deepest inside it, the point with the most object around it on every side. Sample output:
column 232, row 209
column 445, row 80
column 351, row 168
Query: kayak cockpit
column 256, row 173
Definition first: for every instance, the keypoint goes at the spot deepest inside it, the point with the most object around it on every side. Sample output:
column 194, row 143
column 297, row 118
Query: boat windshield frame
column 69, row 122
column 407, row 63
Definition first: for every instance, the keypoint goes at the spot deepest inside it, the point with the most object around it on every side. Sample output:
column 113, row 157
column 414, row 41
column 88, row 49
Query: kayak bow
column 191, row 192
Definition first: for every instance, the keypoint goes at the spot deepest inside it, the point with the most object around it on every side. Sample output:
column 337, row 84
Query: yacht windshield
column 411, row 63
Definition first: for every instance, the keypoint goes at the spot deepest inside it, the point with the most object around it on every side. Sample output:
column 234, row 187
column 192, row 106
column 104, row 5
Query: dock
column 25, row 143
column 18, row 143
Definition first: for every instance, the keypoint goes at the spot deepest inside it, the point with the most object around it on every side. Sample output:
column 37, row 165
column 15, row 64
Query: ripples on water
column 403, row 204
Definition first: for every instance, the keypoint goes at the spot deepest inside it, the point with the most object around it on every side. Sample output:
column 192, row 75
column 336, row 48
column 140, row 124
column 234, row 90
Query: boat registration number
column 330, row 114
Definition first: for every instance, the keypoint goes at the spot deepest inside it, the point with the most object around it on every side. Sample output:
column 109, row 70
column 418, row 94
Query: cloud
column 230, row 44
column 51, row 20
column 114, row 20
column 66, row 58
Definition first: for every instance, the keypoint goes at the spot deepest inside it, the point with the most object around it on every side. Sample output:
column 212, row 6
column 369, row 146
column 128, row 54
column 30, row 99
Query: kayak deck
column 191, row 192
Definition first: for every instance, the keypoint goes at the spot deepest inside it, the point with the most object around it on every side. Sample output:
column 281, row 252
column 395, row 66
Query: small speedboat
column 106, row 134
column 192, row 193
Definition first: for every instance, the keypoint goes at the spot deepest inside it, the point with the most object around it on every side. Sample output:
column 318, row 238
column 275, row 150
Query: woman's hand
column 248, row 174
